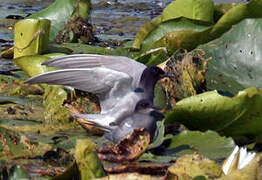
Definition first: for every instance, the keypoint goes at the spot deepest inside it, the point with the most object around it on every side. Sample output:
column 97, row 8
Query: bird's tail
column 97, row 120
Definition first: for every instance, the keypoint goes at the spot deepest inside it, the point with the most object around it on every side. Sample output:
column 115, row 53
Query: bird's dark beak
column 167, row 75
column 156, row 108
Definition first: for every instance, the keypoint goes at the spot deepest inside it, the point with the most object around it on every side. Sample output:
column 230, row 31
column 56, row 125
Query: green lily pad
column 87, row 165
column 173, row 34
column 60, row 12
column 236, row 58
column 239, row 116
column 177, row 30
column 201, row 10
column 235, row 15
column 208, row 144
column 31, row 37
column 176, row 10
column 14, row 145
column 32, row 64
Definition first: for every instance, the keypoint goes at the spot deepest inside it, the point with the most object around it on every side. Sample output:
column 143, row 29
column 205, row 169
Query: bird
column 119, row 82
column 142, row 117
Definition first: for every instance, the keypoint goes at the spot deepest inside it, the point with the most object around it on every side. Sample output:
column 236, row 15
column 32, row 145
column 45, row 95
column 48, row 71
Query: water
column 114, row 19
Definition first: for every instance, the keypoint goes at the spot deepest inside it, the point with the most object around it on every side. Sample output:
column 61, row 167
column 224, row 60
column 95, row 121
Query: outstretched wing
column 117, row 63
column 101, row 81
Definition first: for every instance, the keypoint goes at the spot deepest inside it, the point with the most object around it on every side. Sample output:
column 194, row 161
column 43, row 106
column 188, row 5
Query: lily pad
column 235, row 15
column 208, row 144
column 178, row 15
column 31, row 37
column 87, row 160
column 194, row 165
column 60, row 12
column 238, row 116
column 177, row 33
column 32, row 64
column 14, row 145
column 236, row 58
column 198, row 10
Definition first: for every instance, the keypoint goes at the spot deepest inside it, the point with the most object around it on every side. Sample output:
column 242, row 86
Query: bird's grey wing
column 101, row 81
column 118, row 63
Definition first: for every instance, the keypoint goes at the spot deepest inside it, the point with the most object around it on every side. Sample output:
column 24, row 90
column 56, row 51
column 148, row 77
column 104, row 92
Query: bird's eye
column 144, row 105
column 155, row 70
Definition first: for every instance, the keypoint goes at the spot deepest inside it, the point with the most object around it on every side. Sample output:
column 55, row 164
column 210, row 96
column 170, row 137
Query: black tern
column 142, row 117
column 119, row 82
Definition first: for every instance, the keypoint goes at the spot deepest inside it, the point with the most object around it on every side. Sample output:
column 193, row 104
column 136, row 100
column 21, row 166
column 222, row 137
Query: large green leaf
column 87, row 165
column 235, row 15
column 189, row 12
column 208, row 143
column 32, row 64
column 180, row 33
column 238, row 116
column 201, row 10
column 236, row 58
column 31, row 37
column 60, row 12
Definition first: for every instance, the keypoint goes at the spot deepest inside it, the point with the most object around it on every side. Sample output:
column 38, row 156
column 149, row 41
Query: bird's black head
column 154, row 72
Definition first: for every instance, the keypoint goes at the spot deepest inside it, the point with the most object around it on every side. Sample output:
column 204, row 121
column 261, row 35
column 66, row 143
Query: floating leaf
column 175, row 34
column 179, row 21
column 190, row 166
column 238, row 116
column 236, row 58
column 235, row 15
column 60, row 12
column 32, row 64
column 208, row 143
column 14, row 145
column 31, row 37
column 87, row 160
column 191, row 9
